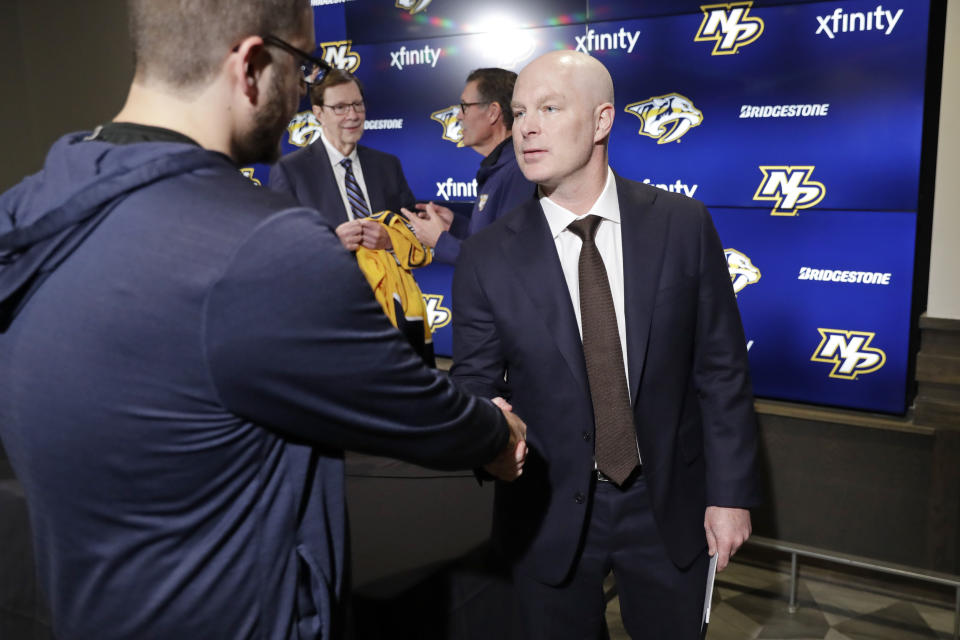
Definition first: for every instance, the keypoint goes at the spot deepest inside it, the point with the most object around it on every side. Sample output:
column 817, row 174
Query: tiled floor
column 751, row 602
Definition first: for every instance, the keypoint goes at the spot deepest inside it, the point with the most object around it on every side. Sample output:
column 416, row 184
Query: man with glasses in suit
column 344, row 180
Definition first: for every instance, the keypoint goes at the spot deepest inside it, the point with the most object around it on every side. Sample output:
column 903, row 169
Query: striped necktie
column 357, row 202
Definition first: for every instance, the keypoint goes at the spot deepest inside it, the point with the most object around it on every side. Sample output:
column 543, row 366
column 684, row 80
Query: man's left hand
column 374, row 235
column 727, row 528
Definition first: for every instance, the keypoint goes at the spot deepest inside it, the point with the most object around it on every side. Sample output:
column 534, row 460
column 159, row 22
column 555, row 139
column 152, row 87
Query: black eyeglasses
column 314, row 70
column 464, row 105
column 341, row 109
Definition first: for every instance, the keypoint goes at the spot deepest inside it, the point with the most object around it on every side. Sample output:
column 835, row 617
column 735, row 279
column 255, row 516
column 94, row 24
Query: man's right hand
column 350, row 234
column 509, row 464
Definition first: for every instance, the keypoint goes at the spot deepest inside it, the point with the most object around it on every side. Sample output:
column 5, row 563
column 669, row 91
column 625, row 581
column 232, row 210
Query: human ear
column 604, row 117
column 495, row 113
column 246, row 65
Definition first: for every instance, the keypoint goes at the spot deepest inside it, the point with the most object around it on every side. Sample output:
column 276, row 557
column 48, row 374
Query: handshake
column 509, row 464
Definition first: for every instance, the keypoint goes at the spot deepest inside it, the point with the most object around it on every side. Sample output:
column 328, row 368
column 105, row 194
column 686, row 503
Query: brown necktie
column 615, row 446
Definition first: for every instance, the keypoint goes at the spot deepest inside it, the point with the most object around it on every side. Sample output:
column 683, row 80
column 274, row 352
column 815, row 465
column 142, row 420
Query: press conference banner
column 798, row 124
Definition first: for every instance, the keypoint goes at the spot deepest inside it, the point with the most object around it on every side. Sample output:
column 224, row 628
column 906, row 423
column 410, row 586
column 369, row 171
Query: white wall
column 944, row 290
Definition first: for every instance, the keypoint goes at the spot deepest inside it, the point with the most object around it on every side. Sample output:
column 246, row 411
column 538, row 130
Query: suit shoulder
column 672, row 203
column 370, row 153
column 484, row 240
column 301, row 156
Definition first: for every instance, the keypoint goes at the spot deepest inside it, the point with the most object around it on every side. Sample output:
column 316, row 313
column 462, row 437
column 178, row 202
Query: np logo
column 303, row 129
column 438, row 316
column 452, row 130
column 729, row 25
column 666, row 118
column 339, row 55
column 248, row 173
column 849, row 352
column 742, row 271
column 413, row 6
column 791, row 188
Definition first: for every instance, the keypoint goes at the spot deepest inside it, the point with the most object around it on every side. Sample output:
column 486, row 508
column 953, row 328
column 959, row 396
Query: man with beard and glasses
column 184, row 356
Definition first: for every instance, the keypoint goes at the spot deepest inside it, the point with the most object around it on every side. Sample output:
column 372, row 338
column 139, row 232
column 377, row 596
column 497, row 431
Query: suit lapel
column 643, row 232
column 373, row 178
column 533, row 257
column 324, row 186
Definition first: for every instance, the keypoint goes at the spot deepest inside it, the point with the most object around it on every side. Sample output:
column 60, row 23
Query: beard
column 262, row 143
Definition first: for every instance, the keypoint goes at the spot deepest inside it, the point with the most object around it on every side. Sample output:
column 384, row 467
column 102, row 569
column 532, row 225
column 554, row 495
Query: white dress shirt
column 340, row 173
column 609, row 243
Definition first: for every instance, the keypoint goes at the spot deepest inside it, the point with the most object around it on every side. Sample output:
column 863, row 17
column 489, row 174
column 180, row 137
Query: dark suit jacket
column 515, row 335
column 306, row 174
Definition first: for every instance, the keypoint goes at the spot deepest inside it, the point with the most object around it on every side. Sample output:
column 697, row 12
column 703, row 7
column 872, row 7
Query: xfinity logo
column 674, row 187
column 594, row 41
column 452, row 189
column 405, row 57
column 729, row 25
column 849, row 352
column 843, row 22
column 791, row 188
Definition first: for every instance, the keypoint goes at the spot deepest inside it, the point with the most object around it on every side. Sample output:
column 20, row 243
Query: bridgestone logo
column 836, row 275
column 784, row 111
column 396, row 123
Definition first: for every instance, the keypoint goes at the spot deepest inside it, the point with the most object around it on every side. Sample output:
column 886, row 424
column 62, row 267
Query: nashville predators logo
column 742, row 271
column 790, row 188
column 452, row 130
column 413, row 6
column 849, row 352
column 729, row 25
column 666, row 118
column 438, row 316
column 338, row 54
column 248, row 173
column 303, row 129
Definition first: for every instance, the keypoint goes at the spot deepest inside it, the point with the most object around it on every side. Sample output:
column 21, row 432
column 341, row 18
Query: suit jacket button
column 586, row 436
column 579, row 498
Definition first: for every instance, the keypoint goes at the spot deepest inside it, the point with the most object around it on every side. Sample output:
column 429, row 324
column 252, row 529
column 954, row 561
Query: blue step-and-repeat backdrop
column 798, row 124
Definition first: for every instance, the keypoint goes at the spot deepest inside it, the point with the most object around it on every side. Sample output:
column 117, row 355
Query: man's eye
column 550, row 108
column 517, row 114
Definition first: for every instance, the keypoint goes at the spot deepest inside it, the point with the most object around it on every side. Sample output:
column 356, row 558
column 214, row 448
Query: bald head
column 563, row 113
column 583, row 72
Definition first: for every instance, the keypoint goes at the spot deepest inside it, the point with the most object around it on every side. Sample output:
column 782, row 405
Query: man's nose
column 527, row 125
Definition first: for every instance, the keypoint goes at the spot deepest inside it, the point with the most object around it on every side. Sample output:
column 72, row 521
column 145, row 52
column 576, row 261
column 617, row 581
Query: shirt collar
column 607, row 206
column 334, row 153
column 494, row 155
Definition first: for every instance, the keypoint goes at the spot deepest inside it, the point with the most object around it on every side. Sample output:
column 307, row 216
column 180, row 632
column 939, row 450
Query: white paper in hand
column 708, row 596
